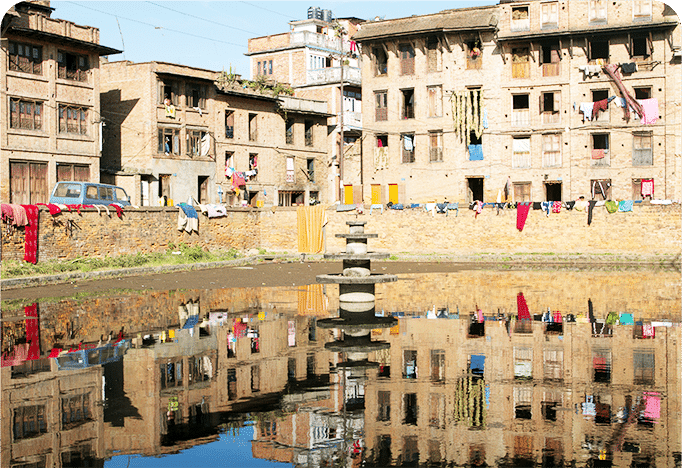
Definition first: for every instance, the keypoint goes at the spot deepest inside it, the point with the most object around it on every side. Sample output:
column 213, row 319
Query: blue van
column 88, row 193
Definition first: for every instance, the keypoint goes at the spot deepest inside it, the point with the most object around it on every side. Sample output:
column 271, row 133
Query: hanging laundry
column 475, row 152
column 187, row 218
column 19, row 215
column 650, row 107
column 628, row 67
column 652, row 405
column 598, row 154
column 170, row 111
column 546, row 207
column 590, row 208
column 612, row 71
column 625, row 205
column 31, row 234
column 626, row 319
column 590, row 70
column 205, row 144
column 556, row 207
column 478, row 208
column 587, row 109
column 522, row 210
column 599, row 106
column 238, row 180
column 647, row 188
column 522, row 308
column 611, row 206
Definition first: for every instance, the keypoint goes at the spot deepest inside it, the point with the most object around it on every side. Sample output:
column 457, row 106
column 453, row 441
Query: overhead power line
column 266, row 9
column 202, row 19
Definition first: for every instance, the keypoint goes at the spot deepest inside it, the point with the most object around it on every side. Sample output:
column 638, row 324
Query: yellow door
column 376, row 194
column 348, row 194
column 393, row 193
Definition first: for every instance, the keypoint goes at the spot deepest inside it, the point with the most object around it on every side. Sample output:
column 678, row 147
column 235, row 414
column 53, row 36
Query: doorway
column 474, row 189
column 553, row 191
column 203, row 189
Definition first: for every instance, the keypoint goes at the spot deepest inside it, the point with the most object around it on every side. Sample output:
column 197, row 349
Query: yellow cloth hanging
column 311, row 220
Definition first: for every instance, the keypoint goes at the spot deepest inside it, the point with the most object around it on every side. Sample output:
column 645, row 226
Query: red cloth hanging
column 119, row 210
column 522, row 307
column 522, row 210
column 31, row 234
column 32, row 331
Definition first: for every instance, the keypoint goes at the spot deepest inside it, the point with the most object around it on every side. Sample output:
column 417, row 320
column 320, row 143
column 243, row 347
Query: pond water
column 478, row 368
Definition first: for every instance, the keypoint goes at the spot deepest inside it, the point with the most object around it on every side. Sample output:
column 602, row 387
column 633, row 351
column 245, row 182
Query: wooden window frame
column 72, row 66
column 381, row 105
column 26, row 114
column 175, row 147
column 73, row 120
column 25, row 58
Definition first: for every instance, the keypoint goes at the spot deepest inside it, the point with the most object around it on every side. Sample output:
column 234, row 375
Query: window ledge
column 26, row 132
column 76, row 83
column 27, row 75
column 74, row 137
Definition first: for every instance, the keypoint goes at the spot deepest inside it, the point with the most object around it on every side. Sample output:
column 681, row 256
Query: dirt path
column 268, row 274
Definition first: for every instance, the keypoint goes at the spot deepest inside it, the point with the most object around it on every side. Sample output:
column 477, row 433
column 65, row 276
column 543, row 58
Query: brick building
column 50, row 95
column 308, row 58
column 178, row 132
column 464, row 100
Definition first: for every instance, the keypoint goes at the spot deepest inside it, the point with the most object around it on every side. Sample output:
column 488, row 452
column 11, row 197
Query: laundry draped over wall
column 467, row 111
column 311, row 220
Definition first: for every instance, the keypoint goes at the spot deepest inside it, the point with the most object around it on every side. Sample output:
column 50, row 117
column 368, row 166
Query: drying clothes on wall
column 546, row 206
column 229, row 171
column 625, row 205
column 31, row 234
column 408, row 143
column 213, row 211
column 598, row 154
column 570, row 205
column 238, row 180
column 475, row 152
column 611, row 206
column 205, row 144
column 590, row 70
column 54, row 209
column 647, row 187
column 187, row 218
column 628, row 67
column 586, row 108
column 590, row 209
column 19, row 217
column 522, row 210
column 626, row 319
column 170, row 111
column 650, row 107
column 612, row 71
column 119, row 210
column 556, row 207
column 522, row 308
column 478, row 208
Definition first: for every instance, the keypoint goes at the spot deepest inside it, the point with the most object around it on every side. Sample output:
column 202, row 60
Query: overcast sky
column 212, row 34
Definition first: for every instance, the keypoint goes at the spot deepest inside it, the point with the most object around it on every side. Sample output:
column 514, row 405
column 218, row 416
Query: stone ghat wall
column 70, row 235
column 647, row 231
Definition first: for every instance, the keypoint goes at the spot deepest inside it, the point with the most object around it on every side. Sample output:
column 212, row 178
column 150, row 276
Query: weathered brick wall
column 70, row 235
column 648, row 230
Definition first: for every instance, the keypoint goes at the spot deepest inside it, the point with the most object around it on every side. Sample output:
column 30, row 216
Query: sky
column 213, row 34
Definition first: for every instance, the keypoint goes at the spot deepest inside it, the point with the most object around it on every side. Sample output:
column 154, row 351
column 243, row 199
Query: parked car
column 88, row 193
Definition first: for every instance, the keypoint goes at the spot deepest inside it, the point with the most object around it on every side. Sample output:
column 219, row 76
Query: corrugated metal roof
column 461, row 19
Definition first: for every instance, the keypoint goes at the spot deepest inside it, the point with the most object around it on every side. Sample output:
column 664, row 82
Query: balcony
column 307, row 38
column 351, row 75
column 303, row 105
column 521, row 117
column 352, row 120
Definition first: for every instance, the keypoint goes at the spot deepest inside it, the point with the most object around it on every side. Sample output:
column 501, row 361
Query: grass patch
column 174, row 255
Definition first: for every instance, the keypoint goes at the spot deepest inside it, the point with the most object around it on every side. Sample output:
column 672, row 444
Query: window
column 550, row 58
column 26, row 115
column 601, row 363
column 550, row 107
column 520, row 20
column 602, row 115
column 229, row 160
column 229, row 124
column 73, row 119
column 474, row 55
column 407, row 144
column 551, row 150
column 642, row 93
column 522, row 194
column 641, row 10
column 169, row 141
column 380, row 61
column 196, row 95
column 75, row 410
column 309, row 132
column 637, row 190
column 523, row 398
column 433, row 55
column 640, row 47
column 550, row 401
column 435, row 145
column 598, row 51
column 200, row 369
column 29, row 421
column 169, row 92
column 255, row 378
column 410, row 407
column 76, row 172
column 25, row 58
column 407, row 103
column 520, row 63
column 523, row 363
column 520, row 110
column 72, row 66
column 171, row 373
column 643, row 365
column 291, row 173
column 231, row 383
column 437, row 410
column 289, row 131
column 384, row 400
column 600, row 189
column 410, row 364
column 597, row 11
column 642, row 151
column 381, row 109
column 253, row 127
column 406, row 59
column 600, row 149
column 435, row 96
column 550, row 15
column 520, row 153
column 553, row 364
column 311, row 170
column 437, row 365
column 197, row 143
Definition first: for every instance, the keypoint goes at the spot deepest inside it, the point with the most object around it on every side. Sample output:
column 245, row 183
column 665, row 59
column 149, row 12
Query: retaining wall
column 648, row 230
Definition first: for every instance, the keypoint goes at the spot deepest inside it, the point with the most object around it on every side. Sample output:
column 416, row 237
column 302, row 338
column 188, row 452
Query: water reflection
column 484, row 368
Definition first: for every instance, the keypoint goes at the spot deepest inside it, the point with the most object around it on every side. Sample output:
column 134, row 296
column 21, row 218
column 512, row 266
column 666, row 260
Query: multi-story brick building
column 465, row 100
column 181, row 132
column 50, row 95
column 308, row 58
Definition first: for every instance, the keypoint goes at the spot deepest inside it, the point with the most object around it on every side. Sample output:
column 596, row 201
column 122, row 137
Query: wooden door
column 393, row 193
column 348, row 194
column 376, row 194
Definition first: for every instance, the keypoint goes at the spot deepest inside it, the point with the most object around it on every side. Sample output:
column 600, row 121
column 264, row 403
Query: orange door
column 376, row 194
column 348, row 194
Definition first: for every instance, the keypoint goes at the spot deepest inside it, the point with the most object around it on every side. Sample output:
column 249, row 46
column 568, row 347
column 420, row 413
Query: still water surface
column 246, row 377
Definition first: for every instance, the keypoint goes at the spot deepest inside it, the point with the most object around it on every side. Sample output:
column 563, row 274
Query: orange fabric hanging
column 310, row 220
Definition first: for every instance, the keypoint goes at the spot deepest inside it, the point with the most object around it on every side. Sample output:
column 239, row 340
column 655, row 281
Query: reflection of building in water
column 525, row 392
